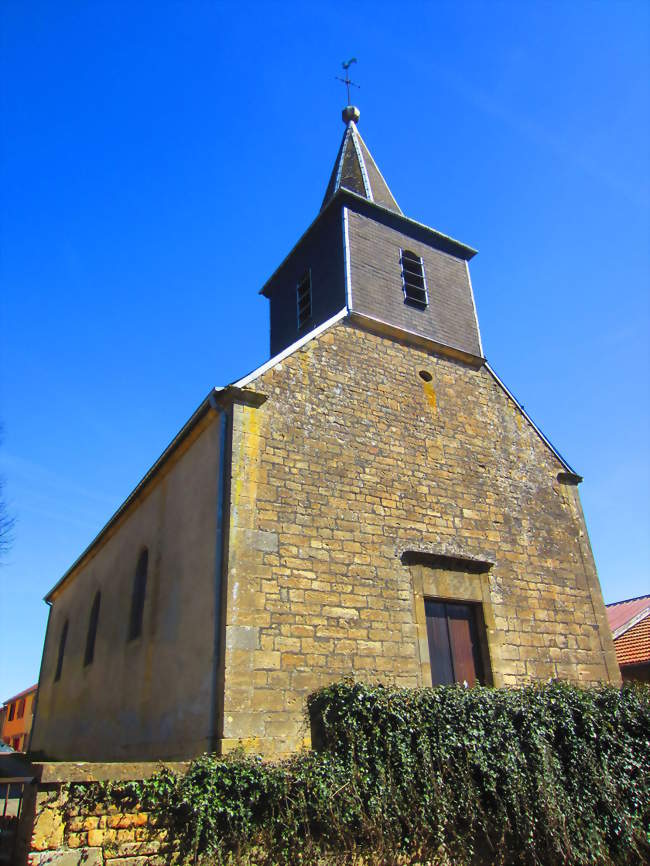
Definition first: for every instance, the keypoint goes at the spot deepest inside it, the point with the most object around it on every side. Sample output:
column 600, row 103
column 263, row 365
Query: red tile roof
column 633, row 646
column 622, row 612
column 22, row 694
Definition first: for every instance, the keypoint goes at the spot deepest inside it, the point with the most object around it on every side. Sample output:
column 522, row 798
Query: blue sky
column 158, row 160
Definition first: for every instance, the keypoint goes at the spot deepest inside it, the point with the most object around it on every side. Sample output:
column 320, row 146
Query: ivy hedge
column 541, row 775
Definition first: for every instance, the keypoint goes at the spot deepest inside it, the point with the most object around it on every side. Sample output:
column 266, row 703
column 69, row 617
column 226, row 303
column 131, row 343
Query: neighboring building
column 370, row 502
column 629, row 621
column 18, row 713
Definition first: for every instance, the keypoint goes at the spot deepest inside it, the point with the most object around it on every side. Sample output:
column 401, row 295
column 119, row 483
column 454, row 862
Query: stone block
column 101, row 837
column 128, row 861
column 267, row 660
column 259, row 540
column 66, row 857
column 239, row 725
column 141, row 848
column 48, row 829
column 242, row 637
column 127, row 820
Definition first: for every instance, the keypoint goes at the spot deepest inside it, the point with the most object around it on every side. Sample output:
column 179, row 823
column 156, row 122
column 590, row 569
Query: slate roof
column 629, row 621
column 356, row 170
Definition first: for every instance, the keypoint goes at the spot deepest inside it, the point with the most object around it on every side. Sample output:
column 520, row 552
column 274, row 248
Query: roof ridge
column 570, row 470
column 355, row 169
column 635, row 619
column 626, row 600
column 20, row 694
column 362, row 163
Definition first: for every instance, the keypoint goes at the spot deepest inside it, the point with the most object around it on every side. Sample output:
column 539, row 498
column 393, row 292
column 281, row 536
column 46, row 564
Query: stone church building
column 371, row 502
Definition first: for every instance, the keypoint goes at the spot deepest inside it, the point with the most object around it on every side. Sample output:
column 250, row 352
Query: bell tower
column 362, row 255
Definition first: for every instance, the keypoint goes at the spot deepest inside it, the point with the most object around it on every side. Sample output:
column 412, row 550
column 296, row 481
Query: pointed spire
column 356, row 170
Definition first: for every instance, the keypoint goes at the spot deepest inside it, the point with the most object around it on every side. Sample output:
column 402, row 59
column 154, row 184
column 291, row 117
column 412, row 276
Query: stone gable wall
column 352, row 461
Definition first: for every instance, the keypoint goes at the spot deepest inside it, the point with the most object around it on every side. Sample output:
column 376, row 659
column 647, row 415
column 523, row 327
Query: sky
column 158, row 161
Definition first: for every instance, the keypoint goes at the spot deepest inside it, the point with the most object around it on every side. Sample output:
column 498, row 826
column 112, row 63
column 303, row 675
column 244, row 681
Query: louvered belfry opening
column 413, row 279
column 303, row 299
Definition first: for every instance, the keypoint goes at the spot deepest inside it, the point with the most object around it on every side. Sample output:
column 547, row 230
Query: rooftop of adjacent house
column 620, row 613
column 629, row 621
column 633, row 647
column 20, row 695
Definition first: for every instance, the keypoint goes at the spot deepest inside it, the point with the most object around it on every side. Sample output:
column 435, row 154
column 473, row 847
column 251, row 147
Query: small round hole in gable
column 425, row 375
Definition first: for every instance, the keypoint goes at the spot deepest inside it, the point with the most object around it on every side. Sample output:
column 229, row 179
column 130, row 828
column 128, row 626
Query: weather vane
column 346, row 66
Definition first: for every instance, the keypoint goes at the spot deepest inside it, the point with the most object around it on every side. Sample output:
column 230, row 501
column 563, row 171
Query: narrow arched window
column 59, row 661
column 138, row 596
column 89, row 655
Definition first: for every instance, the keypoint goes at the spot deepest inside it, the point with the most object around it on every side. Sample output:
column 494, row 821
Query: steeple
column 356, row 170
column 363, row 259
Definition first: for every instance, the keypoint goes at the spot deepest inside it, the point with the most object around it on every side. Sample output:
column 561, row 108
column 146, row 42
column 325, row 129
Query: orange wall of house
column 19, row 727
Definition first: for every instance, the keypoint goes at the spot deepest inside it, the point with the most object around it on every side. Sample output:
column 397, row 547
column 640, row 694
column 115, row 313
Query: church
column 372, row 502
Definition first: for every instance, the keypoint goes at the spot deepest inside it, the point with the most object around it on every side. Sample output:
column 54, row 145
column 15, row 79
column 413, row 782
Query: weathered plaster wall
column 152, row 697
column 353, row 460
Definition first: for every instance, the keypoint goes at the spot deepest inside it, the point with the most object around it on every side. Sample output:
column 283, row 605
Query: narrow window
column 454, row 648
column 12, row 712
column 413, row 279
column 303, row 298
column 137, row 598
column 89, row 655
column 21, row 708
column 59, row 661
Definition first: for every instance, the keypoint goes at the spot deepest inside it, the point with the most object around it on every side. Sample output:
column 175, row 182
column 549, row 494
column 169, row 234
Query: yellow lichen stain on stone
column 247, row 476
column 430, row 394
column 48, row 829
column 249, row 745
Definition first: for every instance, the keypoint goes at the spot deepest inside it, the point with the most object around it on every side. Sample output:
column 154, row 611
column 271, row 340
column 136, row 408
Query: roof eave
column 570, row 474
column 634, row 620
column 312, row 224
column 20, row 695
column 343, row 195
column 217, row 397
column 449, row 244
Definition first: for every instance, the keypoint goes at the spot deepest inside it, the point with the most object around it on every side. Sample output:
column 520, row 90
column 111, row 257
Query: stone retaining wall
column 54, row 831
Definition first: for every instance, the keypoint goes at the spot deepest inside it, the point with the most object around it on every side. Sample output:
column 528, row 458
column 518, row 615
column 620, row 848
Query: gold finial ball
column 351, row 112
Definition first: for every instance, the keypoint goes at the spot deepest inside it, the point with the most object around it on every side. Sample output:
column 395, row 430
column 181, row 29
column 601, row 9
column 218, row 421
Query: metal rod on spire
column 347, row 81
